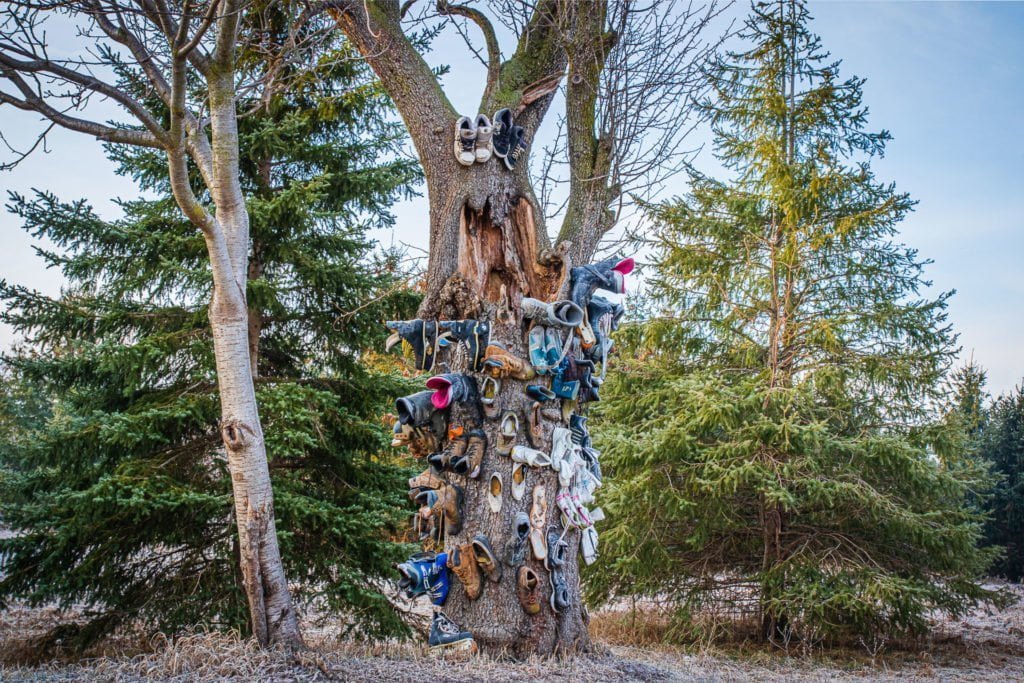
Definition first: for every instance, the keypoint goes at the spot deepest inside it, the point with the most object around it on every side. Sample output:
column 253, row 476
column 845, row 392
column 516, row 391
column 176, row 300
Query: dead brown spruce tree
column 628, row 75
column 185, row 54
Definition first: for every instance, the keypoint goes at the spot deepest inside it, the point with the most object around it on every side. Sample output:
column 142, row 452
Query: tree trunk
column 497, row 265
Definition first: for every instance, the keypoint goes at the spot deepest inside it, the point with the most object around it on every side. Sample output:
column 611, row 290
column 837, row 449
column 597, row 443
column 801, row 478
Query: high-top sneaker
column 502, row 132
column 475, row 334
column 422, row 335
column 446, row 636
column 465, row 141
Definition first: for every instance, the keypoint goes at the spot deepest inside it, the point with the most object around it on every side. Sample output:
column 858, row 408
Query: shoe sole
column 465, row 646
column 551, row 582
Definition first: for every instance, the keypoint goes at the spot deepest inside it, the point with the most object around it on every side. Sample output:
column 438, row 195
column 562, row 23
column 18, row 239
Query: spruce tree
column 1000, row 445
column 778, row 441
column 121, row 499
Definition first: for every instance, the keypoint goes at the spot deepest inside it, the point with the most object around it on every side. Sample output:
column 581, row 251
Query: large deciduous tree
column 187, row 54
column 120, row 500
column 779, row 446
column 626, row 73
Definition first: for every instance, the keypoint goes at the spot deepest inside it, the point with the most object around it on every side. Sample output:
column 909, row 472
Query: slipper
column 538, row 516
column 507, row 432
column 494, row 488
column 518, row 480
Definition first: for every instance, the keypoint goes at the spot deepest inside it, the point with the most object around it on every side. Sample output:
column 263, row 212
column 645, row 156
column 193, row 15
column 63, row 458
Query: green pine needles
column 779, row 449
column 121, row 498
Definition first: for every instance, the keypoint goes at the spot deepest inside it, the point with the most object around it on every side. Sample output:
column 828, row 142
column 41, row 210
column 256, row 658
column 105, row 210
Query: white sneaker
column 465, row 141
column 483, row 149
column 530, row 456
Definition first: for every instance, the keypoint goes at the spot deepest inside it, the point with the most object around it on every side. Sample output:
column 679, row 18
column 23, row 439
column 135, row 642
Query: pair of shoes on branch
column 476, row 139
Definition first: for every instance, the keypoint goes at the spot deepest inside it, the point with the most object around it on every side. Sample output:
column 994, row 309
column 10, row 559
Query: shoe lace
column 467, row 144
column 445, row 625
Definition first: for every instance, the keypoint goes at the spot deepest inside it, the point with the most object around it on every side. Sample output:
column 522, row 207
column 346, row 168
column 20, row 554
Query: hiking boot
column 484, row 131
column 563, row 313
column 446, row 636
column 462, row 561
column 501, row 132
column 609, row 275
column 528, row 589
column 501, row 363
column 452, row 387
column 538, row 516
column 422, row 335
column 530, row 456
column 489, row 397
column 559, row 590
column 475, row 334
column 465, row 141
column 517, row 148
column 508, row 430
column 426, row 480
column 469, row 464
column 494, row 492
column 486, row 558
column 453, row 450
column 515, row 549
column 518, row 480
column 448, row 507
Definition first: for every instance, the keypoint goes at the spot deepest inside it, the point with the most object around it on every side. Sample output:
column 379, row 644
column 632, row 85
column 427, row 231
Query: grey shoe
column 515, row 550
column 484, row 131
column 465, row 141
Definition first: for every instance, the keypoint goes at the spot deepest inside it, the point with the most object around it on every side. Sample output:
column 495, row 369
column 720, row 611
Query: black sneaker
column 501, row 133
column 517, row 149
column 446, row 636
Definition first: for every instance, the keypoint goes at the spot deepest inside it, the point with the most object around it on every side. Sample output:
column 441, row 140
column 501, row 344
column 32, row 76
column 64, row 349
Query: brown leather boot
column 528, row 590
column 462, row 561
column 428, row 479
column 500, row 363
column 449, row 507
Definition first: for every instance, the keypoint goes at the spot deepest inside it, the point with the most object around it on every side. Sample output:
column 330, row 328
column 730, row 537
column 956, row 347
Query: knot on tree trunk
column 234, row 434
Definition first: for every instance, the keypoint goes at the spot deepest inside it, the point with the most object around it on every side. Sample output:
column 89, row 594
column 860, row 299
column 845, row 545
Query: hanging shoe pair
column 475, row 334
column 423, row 336
column 470, row 561
column 473, row 140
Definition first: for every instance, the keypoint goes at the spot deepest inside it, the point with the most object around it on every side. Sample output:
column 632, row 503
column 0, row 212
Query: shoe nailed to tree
column 446, row 636
column 417, row 409
column 530, row 456
column 484, row 132
column 469, row 464
column 538, row 517
column 453, row 387
column 500, row 363
column 462, row 561
column 501, row 138
column 518, row 480
column 486, row 559
column 489, row 396
column 528, row 589
column 588, row 545
column 465, row 141
column 515, row 549
column 508, row 430
column 422, row 335
column 563, row 313
column 538, row 349
column 475, row 334
column 609, row 275
column 495, row 491
column 517, row 148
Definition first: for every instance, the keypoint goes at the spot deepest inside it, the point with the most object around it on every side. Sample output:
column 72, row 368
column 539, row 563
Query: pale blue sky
column 947, row 79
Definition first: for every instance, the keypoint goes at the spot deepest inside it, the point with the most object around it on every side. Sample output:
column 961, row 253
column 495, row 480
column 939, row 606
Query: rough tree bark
column 167, row 42
column 489, row 247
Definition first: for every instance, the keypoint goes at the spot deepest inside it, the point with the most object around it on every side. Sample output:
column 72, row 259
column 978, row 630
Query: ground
column 983, row 646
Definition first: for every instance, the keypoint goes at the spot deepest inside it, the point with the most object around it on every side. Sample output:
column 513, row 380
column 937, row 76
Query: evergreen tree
column 1000, row 444
column 121, row 499
column 776, row 438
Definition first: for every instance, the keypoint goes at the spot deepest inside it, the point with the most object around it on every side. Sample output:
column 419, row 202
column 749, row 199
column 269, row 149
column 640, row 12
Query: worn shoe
column 556, row 349
column 501, row 363
column 535, row 426
column 517, row 148
column 528, row 589
column 489, row 396
column 486, row 558
column 567, row 389
column 422, row 335
column 475, row 334
column 462, row 561
column 469, row 463
column 588, row 545
column 561, row 445
column 416, row 409
column 484, row 132
column 452, row 387
column 530, row 456
column 538, row 517
column 446, row 636
column 453, row 450
column 426, row 480
column 465, row 141
column 557, row 548
column 449, row 507
column 515, row 549
column 539, row 393
column 508, row 430
column 609, row 275
column 559, row 590
column 425, row 573
column 494, row 492
column 538, row 349
column 578, row 427
column 518, row 480
column 563, row 313
column 502, row 132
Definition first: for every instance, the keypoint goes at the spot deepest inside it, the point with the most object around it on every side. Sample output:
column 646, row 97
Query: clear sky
column 947, row 79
